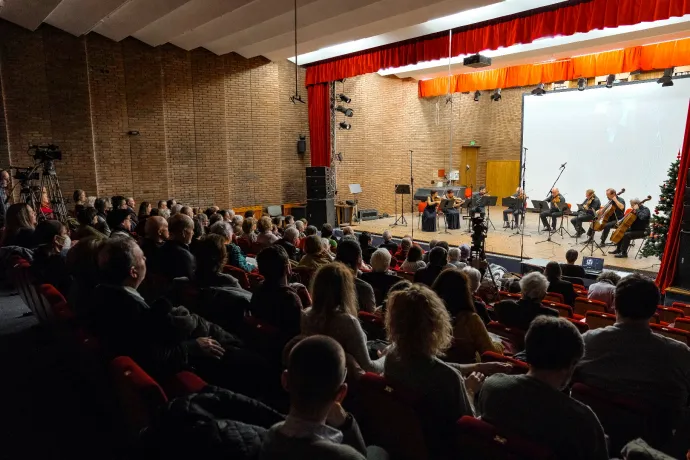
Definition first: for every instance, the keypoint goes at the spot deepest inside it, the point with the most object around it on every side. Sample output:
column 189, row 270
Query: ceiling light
column 343, row 110
column 345, row 126
column 581, row 84
column 609, row 80
column 539, row 90
column 667, row 79
column 477, row 94
column 344, row 98
column 496, row 96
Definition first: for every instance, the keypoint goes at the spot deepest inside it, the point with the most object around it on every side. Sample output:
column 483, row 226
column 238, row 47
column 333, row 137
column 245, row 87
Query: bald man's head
column 181, row 228
column 156, row 229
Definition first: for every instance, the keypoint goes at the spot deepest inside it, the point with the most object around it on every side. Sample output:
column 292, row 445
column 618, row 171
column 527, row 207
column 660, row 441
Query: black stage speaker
column 316, row 181
column 299, row 212
column 320, row 212
column 316, row 192
column 321, row 171
column 683, row 269
column 302, row 144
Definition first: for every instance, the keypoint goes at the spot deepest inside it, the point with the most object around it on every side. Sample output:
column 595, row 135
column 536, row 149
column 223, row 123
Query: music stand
column 488, row 202
column 400, row 189
column 563, row 208
column 355, row 189
column 444, row 206
column 511, row 203
column 539, row 206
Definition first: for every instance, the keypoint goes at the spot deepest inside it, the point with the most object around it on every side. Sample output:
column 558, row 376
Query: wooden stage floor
column 500, row 241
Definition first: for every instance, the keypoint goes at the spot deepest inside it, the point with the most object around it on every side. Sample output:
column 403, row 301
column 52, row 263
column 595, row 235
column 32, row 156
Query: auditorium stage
column 500, row 241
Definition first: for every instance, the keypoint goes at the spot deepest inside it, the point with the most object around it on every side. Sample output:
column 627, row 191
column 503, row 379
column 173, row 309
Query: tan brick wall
column 212, row 129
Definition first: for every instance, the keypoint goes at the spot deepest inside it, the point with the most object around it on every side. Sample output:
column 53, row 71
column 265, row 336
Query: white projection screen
column 622, row 137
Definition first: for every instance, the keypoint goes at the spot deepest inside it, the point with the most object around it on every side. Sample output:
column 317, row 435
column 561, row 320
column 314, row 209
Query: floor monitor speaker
column 320, row 212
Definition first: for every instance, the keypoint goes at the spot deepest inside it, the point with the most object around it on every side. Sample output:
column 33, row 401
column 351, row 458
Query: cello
column 625, row 223
column 605, row 214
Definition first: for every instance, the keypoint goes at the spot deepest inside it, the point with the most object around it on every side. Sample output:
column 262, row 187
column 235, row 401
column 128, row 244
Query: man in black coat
column 520, row 314
column 558, row 285
column 156, row 234
column 288, row 242
column 438, row 260
column 175, row 258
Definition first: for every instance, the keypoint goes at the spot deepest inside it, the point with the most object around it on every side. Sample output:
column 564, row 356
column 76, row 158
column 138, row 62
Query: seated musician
column 478, row 202
column 586, row 213
column 429, row 214
column 452, row 214
column 618, row 214
column 516, row 211
column 636, row 231
column 557, row 202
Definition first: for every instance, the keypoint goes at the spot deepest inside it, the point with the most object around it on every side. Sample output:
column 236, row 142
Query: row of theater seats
column 135, row 394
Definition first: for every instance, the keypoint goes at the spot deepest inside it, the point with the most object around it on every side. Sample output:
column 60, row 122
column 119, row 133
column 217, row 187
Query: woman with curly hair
column 266, row 237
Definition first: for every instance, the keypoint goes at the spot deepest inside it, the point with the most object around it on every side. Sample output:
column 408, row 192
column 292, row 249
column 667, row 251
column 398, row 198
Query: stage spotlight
column 539, row 90
column 581, row 84
column 477, row 94
column 344, row 98
column 343, row 110
column 496, row 96
column 339, row 156
column 609, row 80
column 344, row 125
column 667, row 79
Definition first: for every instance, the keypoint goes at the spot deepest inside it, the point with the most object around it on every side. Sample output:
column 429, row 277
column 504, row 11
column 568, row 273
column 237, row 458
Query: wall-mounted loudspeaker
column 302, row 144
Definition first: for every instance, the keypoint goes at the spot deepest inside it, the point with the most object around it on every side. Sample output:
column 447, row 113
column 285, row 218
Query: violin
column 625, row 223
column 605, row 214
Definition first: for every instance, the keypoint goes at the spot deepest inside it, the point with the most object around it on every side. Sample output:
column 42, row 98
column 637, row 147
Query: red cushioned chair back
column 554, row 297
column 564, row 311
column 672, row 333
column 503, row 295
column 139, row 396
column 183, row 384
column 409, row 276
column 18, row 278
column 421, row 206
column 372, row 325
column 519, row 367
column 582, row 327
column 668, row 314
column 50, row 297
column 387, row 418
column 479, row 440
column 244, row 245
column 513, row 337
column 595, row 320
column 583, row 305
column 682, row 306
column 266, row 339
column 682, row 324
column 239, row 274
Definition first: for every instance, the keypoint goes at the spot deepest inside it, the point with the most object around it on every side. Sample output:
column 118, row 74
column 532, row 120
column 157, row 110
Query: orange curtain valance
column 650, row 57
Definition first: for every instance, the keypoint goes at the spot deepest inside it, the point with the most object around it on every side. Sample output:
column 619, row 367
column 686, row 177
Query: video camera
column 45, row 153
column 479, row 233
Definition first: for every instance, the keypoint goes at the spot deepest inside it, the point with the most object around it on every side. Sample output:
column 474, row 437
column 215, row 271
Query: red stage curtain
column 669, row 261
column 320, row 124
column 566, row 20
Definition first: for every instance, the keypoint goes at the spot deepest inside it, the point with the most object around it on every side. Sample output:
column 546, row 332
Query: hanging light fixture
column 581, row 84
column 609, row 81
column 296, row 97
column 345, row 126
column 344, row 98
column 539, row 90
column 344, row 111
column 477, row 95
column 496, row 96
column 667, row 79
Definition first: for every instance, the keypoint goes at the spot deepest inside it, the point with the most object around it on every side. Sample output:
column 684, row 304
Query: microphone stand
column 521, row 202
column 551, row 232
column 411, row 197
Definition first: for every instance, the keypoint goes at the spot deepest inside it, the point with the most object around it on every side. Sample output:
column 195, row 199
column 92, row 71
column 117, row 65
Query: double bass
column 605, row 214
column 625, row 223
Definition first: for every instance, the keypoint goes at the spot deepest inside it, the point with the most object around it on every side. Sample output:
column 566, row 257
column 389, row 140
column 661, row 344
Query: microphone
column 563, row 165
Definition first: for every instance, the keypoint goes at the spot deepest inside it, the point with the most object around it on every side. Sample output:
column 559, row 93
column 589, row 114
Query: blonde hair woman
column 334, row 313
column 266, row 236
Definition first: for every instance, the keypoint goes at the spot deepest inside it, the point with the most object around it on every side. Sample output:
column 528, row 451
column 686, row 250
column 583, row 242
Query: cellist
column 618, row 213
column 637, row 229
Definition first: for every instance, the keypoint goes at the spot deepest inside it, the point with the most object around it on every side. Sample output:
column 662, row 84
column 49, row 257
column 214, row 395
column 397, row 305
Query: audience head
column 636, row 298
column 52, row 235
column 432, row 244
column 405, row 244
column 162, row 204
column 224, row 214
column 291, row 234
column 79, row 196
column 571, row 256
column 199, row 230
column 264, row 225
column 248, row 214
column 215, row 217
column 387, row 235
column 155, row 212
column 186, row 210
column 211, row 254
column 364, row 239
column 203, row 219
column 231, row 214
column 552, row 271
column 144, row 209
column 121, row 262
column 415, row 254
column 171, row 202
column 453, row 255
column 276, row 222
column 609, row 276
column 438, row 257
column 19, row 215
column 223, row 229
column 464, row 252
column 235, row 221
column 289, row 220
column 274, row 263
column 474, row 276
column 348, row 231
column 130, row 202
column 333, row 291
column 312, row 245
column 533, row 286
column 156, row 229
column 417, row 323
column 209, row 211
column 453, row 287
column 175, row 209
column 87, row 216
column 380, row 260
column 350, row 254
column 299, row 225
column 326, row 245
column 100, row 205
column 326, row 230
column 249, row 225
column 4, row 178
column 553, row 346
column 313, row 388
column 181, row 228
column 444, row 245
column 120, row 219
column 118, row 202
column 311, row 230
column 514, row 286
column 82, row 259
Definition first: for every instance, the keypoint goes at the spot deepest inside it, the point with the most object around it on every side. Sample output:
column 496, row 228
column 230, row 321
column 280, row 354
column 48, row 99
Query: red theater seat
column 184, row 383
column 554, row 297
column 582, row 327
column 519, row 367
column 564, row 311
column 513, row 338
column 595, row 320
column 682, row 323
column 672, row 332
column 583, row 305
column 239, row 274
column 668, row 314
column 479, row 440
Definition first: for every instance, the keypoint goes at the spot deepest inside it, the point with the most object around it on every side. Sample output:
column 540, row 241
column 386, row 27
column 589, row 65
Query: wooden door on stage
column 502, row 178
column 468, row 157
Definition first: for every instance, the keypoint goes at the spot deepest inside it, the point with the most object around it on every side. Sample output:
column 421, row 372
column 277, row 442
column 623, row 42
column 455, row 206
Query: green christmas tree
column 661, row 219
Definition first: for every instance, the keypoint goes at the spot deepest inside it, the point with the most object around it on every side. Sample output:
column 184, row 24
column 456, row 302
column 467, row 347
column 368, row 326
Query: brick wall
column 212, row 129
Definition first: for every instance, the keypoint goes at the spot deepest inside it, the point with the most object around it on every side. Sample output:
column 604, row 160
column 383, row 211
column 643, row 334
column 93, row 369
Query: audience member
column 289, row 220
column 535, row 406
column 289, row 243
column 314, row 256
column 629, row 360
column 162, row 204
column 569, row 268
column 248, row 214
column 248, row 238
column 175, row 209
column 275, row 301
column 334, row 313
column 367, row 248
column 199, row 232
column 211, row 257
column 350, row 255
column 224, row 214
column 380, row 278
column 20, row 222
column 155, row 235
column 604, row 289
column 317, row 427
column 513, row 286
column 471, row 337
column 172, row 202
column 454, row 258
column 235, row 256
column 327, row 232
column 88, row 220
column 266, row 237
column 215, row 218
column 101, row 206
column 132, row 213
column 144, row 213
column 79, row 198
column 557, row 285
column 414, row 260
column 186, row 210
column 82, row 266
column 432, row 245
column 49, row 266
column 120, row 223
column 438, row 258
column 388, row 242
column 474, row 277
column 118, row 202
column 401, row 253
column 175, row 258
column 444, row 245
column 521, row 313
column 465, row 253
column 46, row 209
column 299, row 225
